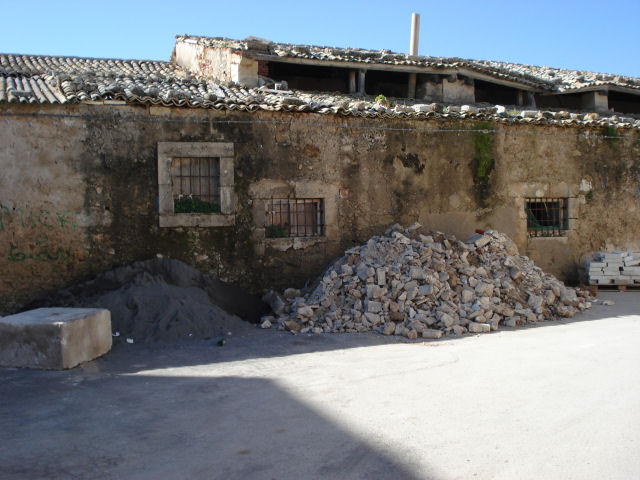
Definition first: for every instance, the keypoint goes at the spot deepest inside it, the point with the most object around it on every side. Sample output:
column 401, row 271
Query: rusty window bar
column 294, row 217
column 546, row 217
column 198, row 178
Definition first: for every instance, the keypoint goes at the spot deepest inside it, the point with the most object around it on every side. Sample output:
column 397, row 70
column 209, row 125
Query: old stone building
column 263, row 162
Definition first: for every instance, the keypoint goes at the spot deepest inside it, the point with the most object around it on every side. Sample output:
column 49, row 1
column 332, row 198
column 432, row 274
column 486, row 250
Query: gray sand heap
column 411, row 283
column 164, row 300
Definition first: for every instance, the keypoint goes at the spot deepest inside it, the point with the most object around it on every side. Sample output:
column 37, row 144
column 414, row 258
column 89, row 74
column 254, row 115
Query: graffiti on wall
column 40, row 224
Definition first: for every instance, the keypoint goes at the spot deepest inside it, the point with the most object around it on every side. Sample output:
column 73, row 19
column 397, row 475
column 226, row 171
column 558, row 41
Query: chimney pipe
column 415, row 33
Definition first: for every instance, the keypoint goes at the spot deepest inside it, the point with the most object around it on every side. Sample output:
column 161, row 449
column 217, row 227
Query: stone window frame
column 560, row 208
column 265, row 189
column 224, row 152
column 315, row 227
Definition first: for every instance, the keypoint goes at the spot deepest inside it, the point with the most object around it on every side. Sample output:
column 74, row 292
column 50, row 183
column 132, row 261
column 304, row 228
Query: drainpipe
column 413, row 50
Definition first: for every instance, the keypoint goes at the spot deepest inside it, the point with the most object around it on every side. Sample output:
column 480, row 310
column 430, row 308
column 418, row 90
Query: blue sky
column 585, row 35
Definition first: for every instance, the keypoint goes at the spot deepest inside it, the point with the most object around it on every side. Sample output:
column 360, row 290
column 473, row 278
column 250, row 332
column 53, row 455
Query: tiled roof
column 545, row 78
column 30, row 79
column 569, row 80
column 44, row 79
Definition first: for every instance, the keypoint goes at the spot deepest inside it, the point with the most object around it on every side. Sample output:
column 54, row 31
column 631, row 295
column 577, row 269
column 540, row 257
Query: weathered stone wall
column 218, row 64
column 79, row 190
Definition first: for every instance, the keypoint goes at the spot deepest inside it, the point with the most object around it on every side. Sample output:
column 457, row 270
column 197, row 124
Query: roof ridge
column 77, row 57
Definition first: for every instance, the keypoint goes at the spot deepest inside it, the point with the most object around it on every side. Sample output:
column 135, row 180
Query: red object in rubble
column 481, row 232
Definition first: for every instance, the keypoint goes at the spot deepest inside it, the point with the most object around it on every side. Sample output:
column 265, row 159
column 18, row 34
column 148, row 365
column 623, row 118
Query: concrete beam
column 595, row 101
column 352, row 81
column 411, row 89
column 361, row 80
column 54, row 338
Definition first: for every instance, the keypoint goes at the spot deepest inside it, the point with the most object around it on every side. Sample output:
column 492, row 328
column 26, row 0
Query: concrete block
column 598, row 277
column 54, row 338
column 611, row 271
column 592, row 264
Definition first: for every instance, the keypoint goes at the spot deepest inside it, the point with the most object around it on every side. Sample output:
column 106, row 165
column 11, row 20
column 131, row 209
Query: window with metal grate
column 196, row 184
column 294, row 217
column 547, row 217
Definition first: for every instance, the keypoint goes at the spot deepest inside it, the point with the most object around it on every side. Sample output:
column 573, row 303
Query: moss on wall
column 611, row 136
column 483, row 162
column 432, row 171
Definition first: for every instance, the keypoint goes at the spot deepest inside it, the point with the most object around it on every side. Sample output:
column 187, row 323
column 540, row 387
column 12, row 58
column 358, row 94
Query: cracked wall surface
column 79, row 192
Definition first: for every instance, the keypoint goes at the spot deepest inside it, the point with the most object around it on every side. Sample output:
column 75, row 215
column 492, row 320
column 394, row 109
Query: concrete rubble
column 411, row 283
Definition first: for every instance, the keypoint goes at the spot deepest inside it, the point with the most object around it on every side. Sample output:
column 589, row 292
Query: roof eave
column 462, row 70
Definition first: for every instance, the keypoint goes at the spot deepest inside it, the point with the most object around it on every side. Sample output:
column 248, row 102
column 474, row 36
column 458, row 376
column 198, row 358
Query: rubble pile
column 412, row 283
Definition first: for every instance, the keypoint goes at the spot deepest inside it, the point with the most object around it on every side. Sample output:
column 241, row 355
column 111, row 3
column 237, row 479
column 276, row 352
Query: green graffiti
column 44, row 223
column 2, row 207
column 40, row 222
column 16, row 256
column 62, row 218
column 44, row 253
column 42, row 218
column 30, row 218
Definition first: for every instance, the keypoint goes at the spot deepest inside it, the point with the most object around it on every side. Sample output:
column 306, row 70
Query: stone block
column 431, row 333
column 54, row 338
column 479, row 327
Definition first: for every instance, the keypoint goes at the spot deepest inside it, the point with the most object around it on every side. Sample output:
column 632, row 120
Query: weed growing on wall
column 611, row 136
column 276, row 231
column 483, row 163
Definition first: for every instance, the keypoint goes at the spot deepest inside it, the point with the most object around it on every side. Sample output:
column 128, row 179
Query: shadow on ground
column 105, row 420
column 141, row 427
column 257, row 343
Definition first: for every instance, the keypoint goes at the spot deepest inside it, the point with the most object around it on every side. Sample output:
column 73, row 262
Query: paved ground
column 559, row 400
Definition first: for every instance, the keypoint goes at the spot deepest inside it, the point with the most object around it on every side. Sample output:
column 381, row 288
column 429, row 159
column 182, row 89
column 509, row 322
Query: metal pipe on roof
column 415, row 33
column 413, row 50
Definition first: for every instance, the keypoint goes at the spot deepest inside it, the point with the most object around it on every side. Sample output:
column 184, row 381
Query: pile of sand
column 164, row 300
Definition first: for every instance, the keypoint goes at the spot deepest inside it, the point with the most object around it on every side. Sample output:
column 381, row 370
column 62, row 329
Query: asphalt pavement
column 558, row 400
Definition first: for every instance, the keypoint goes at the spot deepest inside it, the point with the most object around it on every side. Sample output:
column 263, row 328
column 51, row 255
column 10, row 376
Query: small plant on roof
column 382, row 100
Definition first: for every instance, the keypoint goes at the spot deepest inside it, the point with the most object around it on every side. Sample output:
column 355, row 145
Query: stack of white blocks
column 615, row 268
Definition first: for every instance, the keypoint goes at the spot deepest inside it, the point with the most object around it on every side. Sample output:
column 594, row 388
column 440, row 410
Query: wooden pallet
column 593, row 289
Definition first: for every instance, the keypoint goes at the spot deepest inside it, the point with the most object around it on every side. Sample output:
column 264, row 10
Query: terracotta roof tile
column 30, row 79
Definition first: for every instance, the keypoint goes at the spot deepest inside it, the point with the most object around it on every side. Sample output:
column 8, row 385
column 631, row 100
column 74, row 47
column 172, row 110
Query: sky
column 586, row 35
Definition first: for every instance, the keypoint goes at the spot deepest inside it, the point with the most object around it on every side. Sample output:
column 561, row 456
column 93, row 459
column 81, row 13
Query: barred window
column 294, row 217
column 547, row 217
column 196, row 184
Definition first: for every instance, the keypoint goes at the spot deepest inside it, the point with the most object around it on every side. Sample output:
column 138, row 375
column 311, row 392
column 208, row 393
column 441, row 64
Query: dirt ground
column 554, row 400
